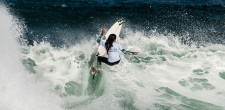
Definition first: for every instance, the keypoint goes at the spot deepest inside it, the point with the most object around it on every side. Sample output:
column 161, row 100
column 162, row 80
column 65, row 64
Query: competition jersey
column 114, row 51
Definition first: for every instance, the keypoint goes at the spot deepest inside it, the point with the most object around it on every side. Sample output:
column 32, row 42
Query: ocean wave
column 166, row 75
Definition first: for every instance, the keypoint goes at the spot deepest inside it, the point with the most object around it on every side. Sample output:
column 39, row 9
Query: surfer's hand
column 135, row 53
column 103, row 31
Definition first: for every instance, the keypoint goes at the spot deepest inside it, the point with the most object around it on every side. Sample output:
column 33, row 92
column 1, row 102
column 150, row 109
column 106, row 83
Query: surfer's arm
column 127, row 52
column 102, row 34
column 99, row 38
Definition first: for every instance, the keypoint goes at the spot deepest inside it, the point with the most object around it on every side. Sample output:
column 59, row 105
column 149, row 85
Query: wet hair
column 109, row 42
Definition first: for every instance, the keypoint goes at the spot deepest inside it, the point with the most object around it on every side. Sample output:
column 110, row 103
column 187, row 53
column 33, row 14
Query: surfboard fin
column 93, row 77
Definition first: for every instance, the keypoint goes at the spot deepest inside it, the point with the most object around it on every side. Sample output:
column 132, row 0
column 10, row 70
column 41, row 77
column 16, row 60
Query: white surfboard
column 115, row 29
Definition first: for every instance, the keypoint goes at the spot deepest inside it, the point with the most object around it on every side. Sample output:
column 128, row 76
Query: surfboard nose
column 121, row 21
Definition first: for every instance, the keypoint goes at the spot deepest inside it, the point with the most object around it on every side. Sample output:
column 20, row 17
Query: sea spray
column 18, row 89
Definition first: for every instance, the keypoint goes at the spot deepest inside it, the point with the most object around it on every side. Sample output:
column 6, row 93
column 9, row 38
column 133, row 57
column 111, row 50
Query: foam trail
column 18, row 90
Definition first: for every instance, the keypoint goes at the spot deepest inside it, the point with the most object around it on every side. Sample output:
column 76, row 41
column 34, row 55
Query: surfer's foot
column 94, row 70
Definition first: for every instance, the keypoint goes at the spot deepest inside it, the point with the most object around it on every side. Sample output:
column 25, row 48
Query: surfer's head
column 112, row 38
column 109, row 41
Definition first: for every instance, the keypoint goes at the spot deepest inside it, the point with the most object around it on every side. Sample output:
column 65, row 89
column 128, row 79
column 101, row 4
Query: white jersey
column 114, row 51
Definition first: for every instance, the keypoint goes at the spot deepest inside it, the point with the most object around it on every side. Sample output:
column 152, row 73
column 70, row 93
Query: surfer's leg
column 103, row 59
column 114, row 63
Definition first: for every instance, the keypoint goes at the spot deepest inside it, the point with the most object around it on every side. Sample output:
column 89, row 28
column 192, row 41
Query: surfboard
column 115, row 29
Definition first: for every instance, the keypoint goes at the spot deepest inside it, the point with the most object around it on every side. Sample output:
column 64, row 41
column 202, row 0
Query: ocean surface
column 47, row 49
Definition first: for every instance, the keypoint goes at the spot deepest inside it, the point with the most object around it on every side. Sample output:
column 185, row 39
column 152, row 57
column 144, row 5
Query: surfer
column 113, row 50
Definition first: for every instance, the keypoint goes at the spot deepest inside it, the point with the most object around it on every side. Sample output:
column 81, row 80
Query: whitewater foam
column 166, row 75
column 18, row 89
